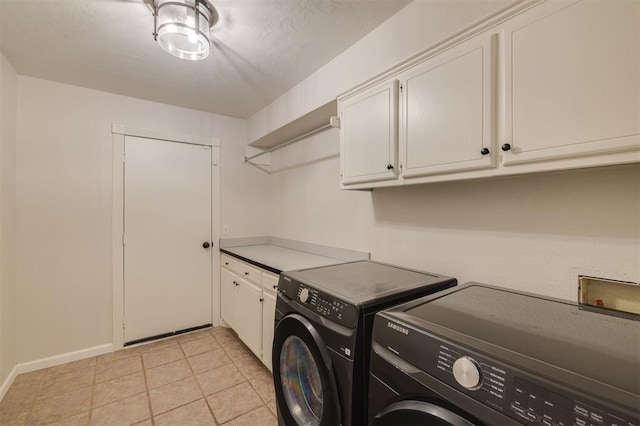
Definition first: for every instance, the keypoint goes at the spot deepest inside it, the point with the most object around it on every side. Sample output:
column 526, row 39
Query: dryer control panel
column 319, row 302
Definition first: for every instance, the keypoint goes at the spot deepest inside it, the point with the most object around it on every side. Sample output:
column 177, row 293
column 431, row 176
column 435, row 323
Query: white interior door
column 167, row 219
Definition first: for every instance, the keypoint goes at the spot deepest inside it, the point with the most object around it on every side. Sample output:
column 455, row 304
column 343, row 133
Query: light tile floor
column 206, row 377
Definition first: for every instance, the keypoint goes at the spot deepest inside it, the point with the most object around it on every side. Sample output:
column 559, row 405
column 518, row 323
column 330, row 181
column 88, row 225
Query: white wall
column 8, row 122
column 534, row 233
column 64, row 300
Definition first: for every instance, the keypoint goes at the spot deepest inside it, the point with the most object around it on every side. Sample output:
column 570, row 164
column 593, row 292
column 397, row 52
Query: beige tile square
column 234, row 402
column 70, row 366
column 263, row 385
column 20, row 395
column 156, row 345
column 194, row 335
column 81, row 419
column 200, row 345
column 167, row 373
column 273, row 407
column 174, row 394
column 116, row 389
column 162, row 356
column 126, row 411
column 14, row 416
column 119, row 368
column 259, row 417
column 250, row 366
column 208, row 361
column 114, row 356
column 195, row 413
column 34, row 377
column 219, row 378
column 236, row 349
column 60, row 406
column 223, row 334
column 55, row 384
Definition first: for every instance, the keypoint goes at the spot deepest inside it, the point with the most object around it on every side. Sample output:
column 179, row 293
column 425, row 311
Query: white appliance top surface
column 281, row 258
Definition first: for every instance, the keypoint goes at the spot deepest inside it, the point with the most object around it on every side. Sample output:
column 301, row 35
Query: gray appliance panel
column 589, row 343
column 364, row 282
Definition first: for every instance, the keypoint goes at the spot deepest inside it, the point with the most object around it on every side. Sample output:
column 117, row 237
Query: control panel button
column 467, row 373
column 304, row 295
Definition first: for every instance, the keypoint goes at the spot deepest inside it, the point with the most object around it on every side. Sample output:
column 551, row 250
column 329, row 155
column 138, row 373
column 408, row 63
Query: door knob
column 506, row 147
column 206, row 244
column 484, row 151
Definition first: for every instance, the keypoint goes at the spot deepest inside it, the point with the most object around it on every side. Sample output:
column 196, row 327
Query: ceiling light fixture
column 181, row 27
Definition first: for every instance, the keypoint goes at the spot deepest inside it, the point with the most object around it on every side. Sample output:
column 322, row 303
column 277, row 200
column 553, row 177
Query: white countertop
column 282, row 258
column 280, row 254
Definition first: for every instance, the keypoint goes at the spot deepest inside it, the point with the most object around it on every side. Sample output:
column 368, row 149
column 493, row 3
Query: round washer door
column 419, row 413
column 306, row 391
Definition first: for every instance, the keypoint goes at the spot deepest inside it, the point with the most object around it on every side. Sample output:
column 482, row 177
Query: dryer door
column 410, row 413
column 306, row 391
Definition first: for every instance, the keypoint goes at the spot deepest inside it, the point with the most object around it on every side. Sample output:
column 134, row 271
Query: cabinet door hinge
column 123, row 239
column 400, row 170
column 401, row 89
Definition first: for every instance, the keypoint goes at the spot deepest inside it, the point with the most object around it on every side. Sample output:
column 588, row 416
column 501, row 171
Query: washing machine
column 478, row 354
column 322, row 336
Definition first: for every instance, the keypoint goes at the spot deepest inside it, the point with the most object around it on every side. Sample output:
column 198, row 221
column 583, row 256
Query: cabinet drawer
column 270, row 281
column 228, row 262
column 249, row 272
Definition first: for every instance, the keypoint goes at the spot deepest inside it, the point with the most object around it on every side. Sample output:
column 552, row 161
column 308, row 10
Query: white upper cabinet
column 368, row 134
column 572, row 85
column 447, row 111
column 543, row 86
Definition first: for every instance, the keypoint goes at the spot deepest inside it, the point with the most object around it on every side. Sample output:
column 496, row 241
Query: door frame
column 119, row 132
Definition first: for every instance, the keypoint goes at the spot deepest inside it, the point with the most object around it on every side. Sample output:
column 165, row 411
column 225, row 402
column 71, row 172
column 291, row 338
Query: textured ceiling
column 261, row 49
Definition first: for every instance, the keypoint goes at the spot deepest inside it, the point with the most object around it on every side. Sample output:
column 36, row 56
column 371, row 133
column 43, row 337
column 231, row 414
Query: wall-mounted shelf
column 312, row 123
column 309, row 122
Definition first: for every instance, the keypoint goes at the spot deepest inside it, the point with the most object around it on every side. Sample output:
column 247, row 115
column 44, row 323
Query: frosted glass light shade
column 182, row 27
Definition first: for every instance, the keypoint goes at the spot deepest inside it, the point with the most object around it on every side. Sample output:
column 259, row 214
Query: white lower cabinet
column 268, row 323
column 248, row 304
column 249, row 319
column 228, row 292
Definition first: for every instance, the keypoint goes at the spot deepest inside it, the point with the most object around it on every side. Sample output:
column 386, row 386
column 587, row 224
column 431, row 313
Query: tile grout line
column 146, row 388
column 93, row 390
column 206, row 401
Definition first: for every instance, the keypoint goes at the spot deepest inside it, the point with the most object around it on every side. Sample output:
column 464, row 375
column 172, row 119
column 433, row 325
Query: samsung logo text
column 397, row 328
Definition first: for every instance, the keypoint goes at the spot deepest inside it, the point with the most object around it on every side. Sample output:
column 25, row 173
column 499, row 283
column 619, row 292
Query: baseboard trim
column 52, row 361
column 8, row 382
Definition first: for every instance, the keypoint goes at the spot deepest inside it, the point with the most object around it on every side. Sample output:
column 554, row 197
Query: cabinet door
column 571, row 82
column 249, row 318
column 228, row 297
column 368, row 134
column 268, row 324
column 448, row 111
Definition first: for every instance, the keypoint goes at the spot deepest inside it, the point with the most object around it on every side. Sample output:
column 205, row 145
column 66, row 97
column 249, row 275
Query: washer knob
column 467, row 373
column 304, row 295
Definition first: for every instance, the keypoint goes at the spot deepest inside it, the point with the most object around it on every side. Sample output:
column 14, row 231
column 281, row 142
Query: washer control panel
column 526, row 398
column 319, row 302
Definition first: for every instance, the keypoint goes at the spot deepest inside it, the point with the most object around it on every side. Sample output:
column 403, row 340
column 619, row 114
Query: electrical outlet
column 225, row 229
